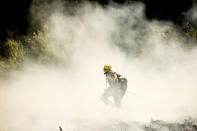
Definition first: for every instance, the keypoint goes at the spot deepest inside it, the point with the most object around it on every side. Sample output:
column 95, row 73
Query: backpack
column 123, row 85
column 123, row 81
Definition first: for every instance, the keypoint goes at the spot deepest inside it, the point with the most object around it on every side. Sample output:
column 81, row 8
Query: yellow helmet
column 107, row 68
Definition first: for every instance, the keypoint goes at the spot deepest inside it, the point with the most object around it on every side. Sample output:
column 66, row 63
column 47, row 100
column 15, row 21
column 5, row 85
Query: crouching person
column 117, row 87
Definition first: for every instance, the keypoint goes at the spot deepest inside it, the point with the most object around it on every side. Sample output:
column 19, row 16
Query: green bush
column 190, row 31
column 12, row 54
column 37, row 47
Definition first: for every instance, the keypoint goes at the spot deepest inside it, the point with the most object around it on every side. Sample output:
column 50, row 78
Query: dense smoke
column 191, row 14
column 159, row 64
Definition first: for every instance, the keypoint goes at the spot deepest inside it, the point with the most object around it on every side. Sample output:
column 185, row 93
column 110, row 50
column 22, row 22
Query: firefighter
column 117, row 87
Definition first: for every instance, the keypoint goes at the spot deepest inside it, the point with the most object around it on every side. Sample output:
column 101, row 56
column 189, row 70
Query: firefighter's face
column 106, row 70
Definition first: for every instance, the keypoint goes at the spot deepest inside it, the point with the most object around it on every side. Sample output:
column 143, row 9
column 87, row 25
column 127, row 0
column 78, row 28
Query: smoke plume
column 158, row 62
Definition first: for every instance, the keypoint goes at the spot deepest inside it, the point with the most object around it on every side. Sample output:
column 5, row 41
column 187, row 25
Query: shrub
column 12, row 54
column 38, row 48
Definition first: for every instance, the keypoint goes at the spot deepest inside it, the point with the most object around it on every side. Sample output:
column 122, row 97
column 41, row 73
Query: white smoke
column 161, row 73
column 192, row 14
